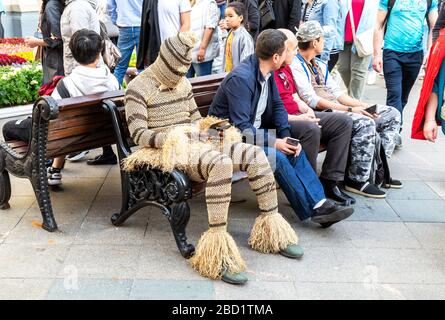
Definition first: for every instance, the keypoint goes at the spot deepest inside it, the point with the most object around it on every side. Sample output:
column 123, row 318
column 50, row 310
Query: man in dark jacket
column 150, row 38
column 287, row 15
column 249, row 98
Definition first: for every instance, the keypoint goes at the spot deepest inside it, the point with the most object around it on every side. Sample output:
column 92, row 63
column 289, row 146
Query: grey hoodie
column 78, row 14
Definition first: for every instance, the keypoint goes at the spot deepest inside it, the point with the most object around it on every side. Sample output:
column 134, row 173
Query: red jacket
column 286, row 88
column 437, row 54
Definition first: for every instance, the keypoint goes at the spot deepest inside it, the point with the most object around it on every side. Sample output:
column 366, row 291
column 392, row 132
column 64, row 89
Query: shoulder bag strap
column 351, row 18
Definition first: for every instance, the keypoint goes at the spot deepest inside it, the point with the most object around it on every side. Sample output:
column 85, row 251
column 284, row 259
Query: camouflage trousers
column 363, row 139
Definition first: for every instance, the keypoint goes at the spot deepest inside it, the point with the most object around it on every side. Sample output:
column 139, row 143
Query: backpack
column 391, row 4
column 380, row 173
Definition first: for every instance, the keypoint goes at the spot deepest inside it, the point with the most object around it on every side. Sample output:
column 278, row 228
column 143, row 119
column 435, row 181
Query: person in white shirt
column 204, row 23
column 173, row 17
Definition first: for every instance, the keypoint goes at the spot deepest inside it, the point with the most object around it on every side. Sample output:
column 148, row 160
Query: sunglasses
column 283, row 77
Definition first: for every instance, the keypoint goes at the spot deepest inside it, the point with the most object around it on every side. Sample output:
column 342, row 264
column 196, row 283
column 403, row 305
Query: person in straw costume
column 164, row 120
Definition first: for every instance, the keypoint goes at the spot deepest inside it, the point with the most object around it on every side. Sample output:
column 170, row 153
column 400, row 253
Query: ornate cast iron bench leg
column 32, row 164
column 5, row 184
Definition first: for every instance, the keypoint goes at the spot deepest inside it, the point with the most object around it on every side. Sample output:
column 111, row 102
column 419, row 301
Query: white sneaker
column 54, row 177
column 372, row 77
column 76, row 156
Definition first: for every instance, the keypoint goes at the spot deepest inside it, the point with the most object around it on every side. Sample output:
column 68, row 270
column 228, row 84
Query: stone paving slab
column 90, row 289
column 335, row 291
column 419, row 210
column 430, row 235
column 172, row 290
column 257, row 290
column 24, row 289
column 31, row 261
column 102, row 261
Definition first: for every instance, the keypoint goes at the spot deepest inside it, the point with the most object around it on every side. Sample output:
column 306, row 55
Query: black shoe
column 332, row 191
column 393, row 183
column 330, row 212
column 365, row 189
column 103, row 159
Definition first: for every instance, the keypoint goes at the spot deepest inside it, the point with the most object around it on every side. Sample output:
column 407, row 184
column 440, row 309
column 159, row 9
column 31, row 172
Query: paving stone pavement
column 389, row 249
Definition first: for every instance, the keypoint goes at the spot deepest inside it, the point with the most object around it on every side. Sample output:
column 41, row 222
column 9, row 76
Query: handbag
column 111, row 54
column 363, row 41
column 266, row 13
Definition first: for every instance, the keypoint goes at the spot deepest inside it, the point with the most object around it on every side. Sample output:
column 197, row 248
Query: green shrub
column 20, row 85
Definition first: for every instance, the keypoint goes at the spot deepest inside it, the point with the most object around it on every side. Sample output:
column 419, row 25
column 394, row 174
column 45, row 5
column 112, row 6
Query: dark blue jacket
column 237, row 100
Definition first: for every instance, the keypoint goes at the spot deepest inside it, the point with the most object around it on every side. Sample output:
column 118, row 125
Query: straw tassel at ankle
column 271, row 233
column 215, row 252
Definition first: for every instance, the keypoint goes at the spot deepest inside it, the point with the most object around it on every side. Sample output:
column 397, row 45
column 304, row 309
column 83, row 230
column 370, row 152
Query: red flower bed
column 12, row 41
column 7, row 60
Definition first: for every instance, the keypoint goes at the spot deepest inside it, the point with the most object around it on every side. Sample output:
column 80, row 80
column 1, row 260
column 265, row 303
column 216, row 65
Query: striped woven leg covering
column 216, row 250
column 271, row 232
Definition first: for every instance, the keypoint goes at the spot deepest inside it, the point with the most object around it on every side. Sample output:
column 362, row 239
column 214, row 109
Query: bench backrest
column 83, row 124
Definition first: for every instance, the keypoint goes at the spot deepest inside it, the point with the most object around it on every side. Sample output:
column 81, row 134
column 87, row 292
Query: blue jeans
column 200, row 69
column 401, row 71
column 298, row 180
column 128, row 40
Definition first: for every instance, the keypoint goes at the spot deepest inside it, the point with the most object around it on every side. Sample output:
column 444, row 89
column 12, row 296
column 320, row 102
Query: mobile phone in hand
column 372, row 109
column 293, row 142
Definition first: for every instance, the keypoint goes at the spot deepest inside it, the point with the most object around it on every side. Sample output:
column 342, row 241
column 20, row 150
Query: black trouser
column 2, row 31
column 333, row 59
column 335, row 134
column 401, row 70
column 17, row 130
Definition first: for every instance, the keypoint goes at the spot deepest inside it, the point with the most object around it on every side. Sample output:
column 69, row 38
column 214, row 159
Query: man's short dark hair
column 85, row 46
column 270, row 42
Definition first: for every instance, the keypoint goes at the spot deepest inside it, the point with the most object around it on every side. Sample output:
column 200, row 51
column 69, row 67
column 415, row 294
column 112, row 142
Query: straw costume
column 163, row 118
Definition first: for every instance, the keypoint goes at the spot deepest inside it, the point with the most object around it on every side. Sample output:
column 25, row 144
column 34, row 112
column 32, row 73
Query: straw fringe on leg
column 216, row 251
column 271, row 233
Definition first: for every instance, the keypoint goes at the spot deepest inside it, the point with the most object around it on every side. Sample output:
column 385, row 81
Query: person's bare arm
column 207, row 36
column 430, row 127
column 378, row 40
column 356, row 105
column 33, row 42
column 325, row 104
column 185, row 22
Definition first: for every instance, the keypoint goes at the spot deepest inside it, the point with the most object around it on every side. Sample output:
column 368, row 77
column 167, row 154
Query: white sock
column 319, row 204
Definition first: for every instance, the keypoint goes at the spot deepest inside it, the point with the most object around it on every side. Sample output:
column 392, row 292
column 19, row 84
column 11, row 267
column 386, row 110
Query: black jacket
column 287, row 15
column 150, row 39
column 253, row 17
column 52, row 59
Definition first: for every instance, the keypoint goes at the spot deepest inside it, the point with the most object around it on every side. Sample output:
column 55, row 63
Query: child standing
column 239, row 43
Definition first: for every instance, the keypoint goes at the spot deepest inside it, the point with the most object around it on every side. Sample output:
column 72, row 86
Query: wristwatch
column 349, row 109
